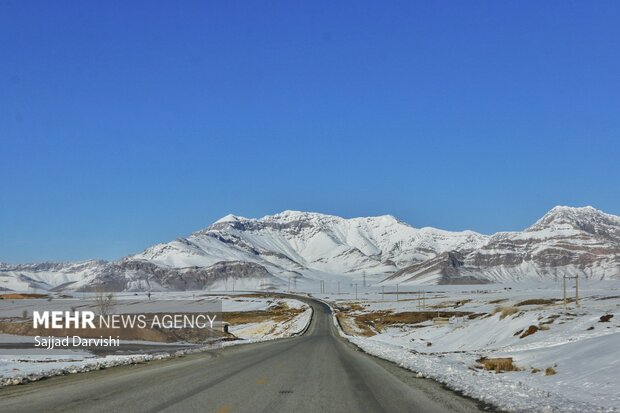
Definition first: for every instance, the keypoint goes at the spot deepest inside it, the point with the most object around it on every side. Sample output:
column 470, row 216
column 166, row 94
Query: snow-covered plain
column 17, row 367
column 583, row 351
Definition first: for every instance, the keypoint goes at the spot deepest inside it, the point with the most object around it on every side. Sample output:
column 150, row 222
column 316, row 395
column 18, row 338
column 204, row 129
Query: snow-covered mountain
column 566, row 241
column 300, row 247
column 303, row 243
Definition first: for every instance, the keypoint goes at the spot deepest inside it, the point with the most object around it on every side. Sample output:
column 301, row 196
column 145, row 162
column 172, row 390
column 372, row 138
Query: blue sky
column 123, row 125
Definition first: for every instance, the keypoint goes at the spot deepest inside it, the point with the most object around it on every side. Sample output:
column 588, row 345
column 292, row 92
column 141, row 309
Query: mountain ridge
column 270, row 251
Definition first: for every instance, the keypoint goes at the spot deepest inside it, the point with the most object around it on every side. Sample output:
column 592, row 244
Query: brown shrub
column 549, row 371
column 499, row 364
column 535, row 370
column 605, row 318
column 529, row 331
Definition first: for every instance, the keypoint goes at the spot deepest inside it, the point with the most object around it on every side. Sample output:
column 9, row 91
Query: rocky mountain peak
column 587, row 219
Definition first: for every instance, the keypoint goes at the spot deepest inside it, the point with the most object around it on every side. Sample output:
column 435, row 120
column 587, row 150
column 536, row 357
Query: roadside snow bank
column 515, row 394
column 19, row 371
column 567, row 357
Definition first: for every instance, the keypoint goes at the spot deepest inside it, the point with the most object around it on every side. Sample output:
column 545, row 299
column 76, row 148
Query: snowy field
column 565, row 358
column 16, row 367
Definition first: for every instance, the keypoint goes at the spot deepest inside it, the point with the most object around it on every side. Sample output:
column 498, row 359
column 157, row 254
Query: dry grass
column 529, row 331
column 369, row 324
column 535, row 370
column 380, row 319
column 352, row 326
column 18, row 296
column 549, row 371
column 277, row 313
column 537, row 301
column 499, row 364
column 505, row 311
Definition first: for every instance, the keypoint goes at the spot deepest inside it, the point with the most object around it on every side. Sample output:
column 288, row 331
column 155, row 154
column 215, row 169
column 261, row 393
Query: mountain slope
column 302, row 247
column 572, row 241
column 303, row 242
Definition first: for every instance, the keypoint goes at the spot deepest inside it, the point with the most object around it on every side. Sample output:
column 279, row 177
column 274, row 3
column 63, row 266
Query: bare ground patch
column 368, row 324
column 538, row 301
column 21, row 296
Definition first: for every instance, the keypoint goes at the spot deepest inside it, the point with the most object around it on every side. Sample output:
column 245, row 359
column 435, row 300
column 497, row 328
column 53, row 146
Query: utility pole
column 338, row 287
column 356, row 291
column 234, row 284
column 397, row 292
column 289, row 284
column 383, row 293
column 577, row 290
column 564, row 279
column 364, row 281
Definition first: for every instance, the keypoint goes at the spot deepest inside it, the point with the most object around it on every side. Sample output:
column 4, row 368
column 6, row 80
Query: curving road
column 316, row 372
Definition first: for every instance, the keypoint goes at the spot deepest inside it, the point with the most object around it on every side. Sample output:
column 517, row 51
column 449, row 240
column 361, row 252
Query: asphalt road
column 316, row 372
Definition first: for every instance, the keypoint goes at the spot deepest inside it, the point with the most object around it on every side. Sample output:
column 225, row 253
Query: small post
column 383, row 293
column 338, row 287
column 289, row 284
column 564, row 279
column 397, row 293
column 356, row 291
column 577, row 290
